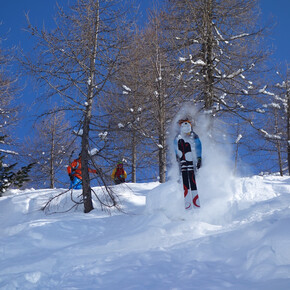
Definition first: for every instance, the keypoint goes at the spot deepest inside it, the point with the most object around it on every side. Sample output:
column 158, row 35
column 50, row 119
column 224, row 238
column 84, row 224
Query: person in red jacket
column 74, row 171
column 119, row 175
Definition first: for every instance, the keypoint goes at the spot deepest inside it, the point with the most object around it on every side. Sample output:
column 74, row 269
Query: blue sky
column 279, row 11
column 40, row 11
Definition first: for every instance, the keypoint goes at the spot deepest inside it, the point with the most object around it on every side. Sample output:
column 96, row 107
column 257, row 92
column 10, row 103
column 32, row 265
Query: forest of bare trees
column 118, row 85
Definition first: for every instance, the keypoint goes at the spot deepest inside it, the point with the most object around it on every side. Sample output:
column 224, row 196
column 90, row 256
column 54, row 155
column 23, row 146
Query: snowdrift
column 239, row 239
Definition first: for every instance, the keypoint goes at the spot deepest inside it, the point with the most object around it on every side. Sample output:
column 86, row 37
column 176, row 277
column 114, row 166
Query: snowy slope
column 239, row 239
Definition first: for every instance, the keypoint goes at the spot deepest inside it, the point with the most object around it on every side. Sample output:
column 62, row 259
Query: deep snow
column 237, row 240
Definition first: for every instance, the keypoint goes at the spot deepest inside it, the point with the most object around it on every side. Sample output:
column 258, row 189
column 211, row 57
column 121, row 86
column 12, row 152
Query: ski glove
column 198, row 165
column 71, row 177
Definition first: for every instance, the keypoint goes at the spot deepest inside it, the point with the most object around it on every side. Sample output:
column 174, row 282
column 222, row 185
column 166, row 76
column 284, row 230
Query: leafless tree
column 124, row 105
column 218, row 50
column 9, row 94
column 160, row 88
column 276, row 128
column 9, row 113
column 283, row 91
column 146, row 103
column 76, row 62
column 218, row 47
column 49, row 149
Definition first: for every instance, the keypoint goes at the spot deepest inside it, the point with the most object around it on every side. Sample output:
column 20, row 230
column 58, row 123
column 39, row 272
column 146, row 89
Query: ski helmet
column 120, row 163
column 186, row 120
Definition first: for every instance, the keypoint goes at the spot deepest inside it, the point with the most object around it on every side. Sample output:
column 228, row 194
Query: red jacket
column 118, row 172
column 75, row 168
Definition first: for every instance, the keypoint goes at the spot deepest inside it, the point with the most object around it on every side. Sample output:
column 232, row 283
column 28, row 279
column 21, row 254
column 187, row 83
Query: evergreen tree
column 11, row 178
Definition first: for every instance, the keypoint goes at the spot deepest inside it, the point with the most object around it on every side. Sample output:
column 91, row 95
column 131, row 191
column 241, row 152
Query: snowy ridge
column 237, row 240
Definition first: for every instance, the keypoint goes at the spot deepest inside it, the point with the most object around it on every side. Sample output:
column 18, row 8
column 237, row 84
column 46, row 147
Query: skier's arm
column 198, row 147
column 92, row 170
column 72, row 167
column 198, row 150
column 113, row 173
column 176, row 149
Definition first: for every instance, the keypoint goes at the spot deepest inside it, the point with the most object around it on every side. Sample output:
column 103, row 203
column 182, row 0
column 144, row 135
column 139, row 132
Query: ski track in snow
column 239, row 239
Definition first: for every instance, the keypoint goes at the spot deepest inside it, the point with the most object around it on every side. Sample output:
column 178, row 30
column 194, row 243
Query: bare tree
column 146, row 85
column 217, row 45
column 218, row 50
column 283, row 88
column 9, row 113
column 160, row 87
column 9, row 93
column 276, row 128
column 129, row 107
column 50, row 149
column 76, row 61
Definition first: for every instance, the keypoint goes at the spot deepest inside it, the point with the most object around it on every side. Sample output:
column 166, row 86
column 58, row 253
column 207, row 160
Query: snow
column 79, row 132
column 272, row 105
column 240, row 136
column 182, row 59
column 270, row 136
column 126, row 88
column 94, row 151
column 103, row 135
column 199, row 62
column 234, row 74
column 264, row 91
column 239, row 36
column 8, row 152
column 237, row 240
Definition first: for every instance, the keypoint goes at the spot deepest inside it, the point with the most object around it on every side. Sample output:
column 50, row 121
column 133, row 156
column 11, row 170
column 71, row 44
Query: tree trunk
column 87, row 193
column 278, row 145
column 208, row 55
column 161, row 114
column 134, row 157
column 162, row 160
column 162, row 141
column 288, row 123
column 52, row 172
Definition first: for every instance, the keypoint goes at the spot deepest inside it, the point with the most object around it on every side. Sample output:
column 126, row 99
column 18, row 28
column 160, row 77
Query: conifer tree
column 9, row 177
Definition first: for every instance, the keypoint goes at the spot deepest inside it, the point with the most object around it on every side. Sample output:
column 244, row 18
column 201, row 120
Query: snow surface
column 238, row 239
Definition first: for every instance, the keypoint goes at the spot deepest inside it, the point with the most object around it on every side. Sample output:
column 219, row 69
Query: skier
column 74, row 171
column 119, row 175
column 188, row 153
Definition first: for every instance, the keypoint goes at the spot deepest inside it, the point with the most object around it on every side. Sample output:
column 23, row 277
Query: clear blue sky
column 279, row 11
column 40, row 11
column 13, row 20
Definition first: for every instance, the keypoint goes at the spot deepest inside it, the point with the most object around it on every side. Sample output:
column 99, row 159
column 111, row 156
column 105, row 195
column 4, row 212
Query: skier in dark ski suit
column 188, row 152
